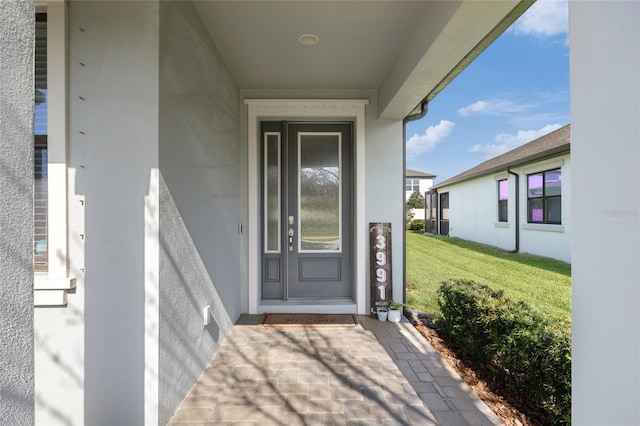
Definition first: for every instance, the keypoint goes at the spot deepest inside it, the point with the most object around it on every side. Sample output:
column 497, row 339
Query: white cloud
column 506, row 141
column 479, row 106
column 495, row 107
column 418, row 144
column 544, row 19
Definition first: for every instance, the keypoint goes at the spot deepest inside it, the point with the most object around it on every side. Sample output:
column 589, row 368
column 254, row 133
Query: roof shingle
column 414, row 173
column 553, row 143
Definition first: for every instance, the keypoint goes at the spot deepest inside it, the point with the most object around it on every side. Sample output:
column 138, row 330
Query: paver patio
column 375, row 373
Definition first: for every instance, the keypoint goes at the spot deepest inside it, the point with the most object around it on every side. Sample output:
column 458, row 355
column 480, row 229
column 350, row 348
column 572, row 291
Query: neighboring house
column 417, row 181
column 519, row 200
column 170, row 177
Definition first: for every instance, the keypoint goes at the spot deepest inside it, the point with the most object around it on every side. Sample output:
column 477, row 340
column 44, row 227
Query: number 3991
column 381, row 259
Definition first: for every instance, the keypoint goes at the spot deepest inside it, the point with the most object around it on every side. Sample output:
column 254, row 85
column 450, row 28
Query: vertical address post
column 380, row 265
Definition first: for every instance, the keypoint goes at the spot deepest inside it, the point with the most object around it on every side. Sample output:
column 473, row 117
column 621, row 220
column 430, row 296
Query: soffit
column 383, row 45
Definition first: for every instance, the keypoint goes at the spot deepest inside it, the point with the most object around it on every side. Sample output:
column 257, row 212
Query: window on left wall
column 40, row 135
column 52, row 278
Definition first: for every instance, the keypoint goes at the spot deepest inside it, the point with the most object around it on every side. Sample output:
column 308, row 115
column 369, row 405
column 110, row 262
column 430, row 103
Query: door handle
column 291, row 232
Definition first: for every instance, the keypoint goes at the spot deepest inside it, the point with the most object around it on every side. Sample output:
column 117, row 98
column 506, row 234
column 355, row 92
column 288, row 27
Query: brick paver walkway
column 375, row 373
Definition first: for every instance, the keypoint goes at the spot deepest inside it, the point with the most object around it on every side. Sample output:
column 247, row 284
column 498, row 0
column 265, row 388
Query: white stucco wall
column 547, row 240
column 16, row 216
column 425, row 184
column 113, row 119
column 199, row 202
column 385, row 183
column 148, row 99
column 605, row 129
column 59, row 331
column 473, row 211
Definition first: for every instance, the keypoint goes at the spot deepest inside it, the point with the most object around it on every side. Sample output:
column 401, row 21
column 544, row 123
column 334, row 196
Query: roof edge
column 553, row 152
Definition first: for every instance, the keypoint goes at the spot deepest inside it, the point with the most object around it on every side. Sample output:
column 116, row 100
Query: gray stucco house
column 185, row 139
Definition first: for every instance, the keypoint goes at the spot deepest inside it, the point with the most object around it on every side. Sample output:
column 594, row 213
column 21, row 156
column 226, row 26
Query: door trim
column 310, row 110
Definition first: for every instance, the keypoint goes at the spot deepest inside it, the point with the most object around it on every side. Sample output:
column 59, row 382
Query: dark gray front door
column 307, row 211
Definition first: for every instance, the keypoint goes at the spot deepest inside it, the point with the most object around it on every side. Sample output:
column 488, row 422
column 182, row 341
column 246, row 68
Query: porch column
column 17, row 34
column 605, row 152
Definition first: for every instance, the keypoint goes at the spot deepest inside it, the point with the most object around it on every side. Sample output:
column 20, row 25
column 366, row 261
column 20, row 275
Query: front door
column 307, row 211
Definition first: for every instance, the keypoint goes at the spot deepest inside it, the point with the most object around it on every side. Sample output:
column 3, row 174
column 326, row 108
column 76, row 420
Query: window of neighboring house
column 503, row 200
column 444, row 213
column 412, row 185
column 544, row 193
column 40, row 130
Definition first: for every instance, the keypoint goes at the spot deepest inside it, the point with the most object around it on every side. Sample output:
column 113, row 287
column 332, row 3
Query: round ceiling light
column 308, row 39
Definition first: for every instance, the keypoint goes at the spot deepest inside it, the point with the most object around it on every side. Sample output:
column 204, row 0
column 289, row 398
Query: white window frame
column 538, row 168
column 413, row 182
column 50, row 288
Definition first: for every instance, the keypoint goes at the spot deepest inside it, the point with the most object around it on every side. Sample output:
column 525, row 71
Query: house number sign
column 380, row 261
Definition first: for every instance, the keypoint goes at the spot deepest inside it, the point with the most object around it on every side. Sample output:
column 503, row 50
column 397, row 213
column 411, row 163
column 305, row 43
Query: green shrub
column 524, row 351
column 416, row 225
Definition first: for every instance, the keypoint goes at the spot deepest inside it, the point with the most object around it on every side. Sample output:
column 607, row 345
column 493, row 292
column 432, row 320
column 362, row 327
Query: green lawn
column 545, row 284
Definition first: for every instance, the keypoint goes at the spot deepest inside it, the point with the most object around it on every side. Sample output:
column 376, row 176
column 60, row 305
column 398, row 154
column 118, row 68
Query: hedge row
column 416, row 225
column 530, row 357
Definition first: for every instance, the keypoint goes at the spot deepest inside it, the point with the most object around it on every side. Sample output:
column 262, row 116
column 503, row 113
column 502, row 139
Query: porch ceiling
column 406, row 50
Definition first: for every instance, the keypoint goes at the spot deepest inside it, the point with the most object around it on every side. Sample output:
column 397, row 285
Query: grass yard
column 545, row 284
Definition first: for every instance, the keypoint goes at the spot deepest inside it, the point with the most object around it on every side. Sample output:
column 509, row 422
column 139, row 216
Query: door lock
column 291, row 232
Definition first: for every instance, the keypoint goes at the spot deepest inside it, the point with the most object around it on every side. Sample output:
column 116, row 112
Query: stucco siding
column 385, row 183
column 547, row 240
column 16, row 217
column 113, row 150
column 425, row 184
column 200, row 213
column 59, row 331
column 473, row 212
column 605, row 68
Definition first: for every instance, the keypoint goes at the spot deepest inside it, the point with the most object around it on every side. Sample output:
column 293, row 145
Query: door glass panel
column 319, row 189
column 272, row 192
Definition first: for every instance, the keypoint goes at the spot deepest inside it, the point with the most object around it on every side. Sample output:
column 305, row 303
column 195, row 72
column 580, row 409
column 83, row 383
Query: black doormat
column 307, row 320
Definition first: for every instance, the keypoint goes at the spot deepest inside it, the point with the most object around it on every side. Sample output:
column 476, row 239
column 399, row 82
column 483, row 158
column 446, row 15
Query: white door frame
column 315, row 110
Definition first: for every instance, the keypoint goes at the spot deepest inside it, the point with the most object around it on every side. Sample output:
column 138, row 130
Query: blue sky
column 514, row 92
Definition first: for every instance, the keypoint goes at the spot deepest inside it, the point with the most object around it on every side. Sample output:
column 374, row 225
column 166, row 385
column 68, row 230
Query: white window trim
column 543, row 167
column 50, row 288
column 497, row 223
column 500, row 177
column 412, row 185
column 545, row 227
column 540, row 168
column 315, row 109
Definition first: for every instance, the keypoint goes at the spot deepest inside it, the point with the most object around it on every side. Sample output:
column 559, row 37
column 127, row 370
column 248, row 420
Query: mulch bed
column 512, row 411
